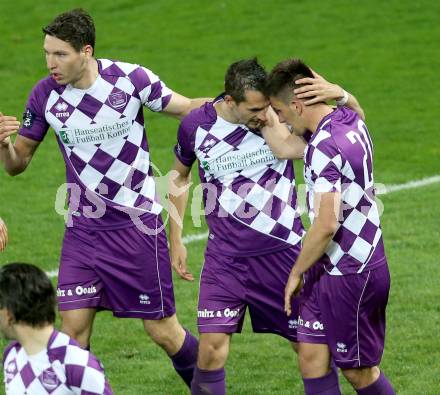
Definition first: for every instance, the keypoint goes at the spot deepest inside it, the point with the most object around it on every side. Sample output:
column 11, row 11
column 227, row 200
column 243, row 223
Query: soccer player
column 41, row 360
column 94, row 107
column 3, row 235
column 251, row 210
column 344, row 314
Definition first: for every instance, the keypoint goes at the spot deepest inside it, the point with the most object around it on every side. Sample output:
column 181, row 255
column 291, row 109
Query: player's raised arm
column 318, row 89
column 8, row 126
column 283, row 144
column 3, row 235
column 180, row 179
column 179, row 105
column 17, row 156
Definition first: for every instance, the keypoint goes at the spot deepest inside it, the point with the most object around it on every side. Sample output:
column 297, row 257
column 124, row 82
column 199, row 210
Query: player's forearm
column 355, row 106
column 13, row 163
column 314, row 246
column 282, row 143
column 178, row 196
column 195, row 103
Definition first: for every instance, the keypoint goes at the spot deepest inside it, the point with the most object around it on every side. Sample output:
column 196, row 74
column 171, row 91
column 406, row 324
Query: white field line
column 383, row 190
column 409, row 185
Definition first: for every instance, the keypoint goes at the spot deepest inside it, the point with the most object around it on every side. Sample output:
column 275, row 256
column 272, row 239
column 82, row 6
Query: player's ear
column 88, row 50
column 297, row 106
column 228, row 98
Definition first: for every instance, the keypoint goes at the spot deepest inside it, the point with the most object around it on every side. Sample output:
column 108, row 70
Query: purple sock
column 185, row 360
column 380, row 387
column 326, row 385
column 208, row 382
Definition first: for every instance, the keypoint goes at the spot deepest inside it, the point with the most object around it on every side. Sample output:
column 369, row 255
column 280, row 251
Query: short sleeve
column 184, row 149
column 34, row 125
column 326, row 167
column 153, row 92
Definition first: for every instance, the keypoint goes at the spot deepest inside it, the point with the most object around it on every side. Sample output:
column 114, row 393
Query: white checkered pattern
column 62, row 369
column 337, row 163
column 260, row 195
column 110, row 113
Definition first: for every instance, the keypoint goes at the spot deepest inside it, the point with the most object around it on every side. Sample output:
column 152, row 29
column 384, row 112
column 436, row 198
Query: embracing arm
column 318, row 89
column 284, row 145
column 179, row 105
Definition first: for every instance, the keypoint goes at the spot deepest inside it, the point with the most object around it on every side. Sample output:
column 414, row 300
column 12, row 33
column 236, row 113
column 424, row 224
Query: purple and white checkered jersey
column 63, row 368
column 249, row 195
column 101, row 133
column 339, row 158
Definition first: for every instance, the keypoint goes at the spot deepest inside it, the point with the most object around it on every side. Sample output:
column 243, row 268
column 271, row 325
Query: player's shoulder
column 117, row 68
column 322, row 146
column 45, row 86
column 334, row 127
column 10, row 351
column 323, row 136
column 75, row 357
column 204, row 116
column 63, row 348
column 342, row 120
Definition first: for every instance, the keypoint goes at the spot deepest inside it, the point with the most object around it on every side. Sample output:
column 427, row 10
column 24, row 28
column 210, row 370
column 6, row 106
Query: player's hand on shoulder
column 317, row 89
column 8, row 126
column 179, row 261
column 3, row 235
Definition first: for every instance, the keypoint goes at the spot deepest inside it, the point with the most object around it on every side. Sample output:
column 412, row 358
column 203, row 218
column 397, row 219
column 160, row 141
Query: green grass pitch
column 386, row 53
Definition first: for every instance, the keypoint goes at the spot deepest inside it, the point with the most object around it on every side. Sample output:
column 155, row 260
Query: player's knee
column 314, row 361
column 162, row 339
column 294, row 346
column 307, row 357
column 361, row 377
column 81, row 335
column 80, row 331
column 166, row 333
column 213, row 352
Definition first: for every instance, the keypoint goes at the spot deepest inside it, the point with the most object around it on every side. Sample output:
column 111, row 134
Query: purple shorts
column 347, row 313
column 229, row 285
column 122, row 270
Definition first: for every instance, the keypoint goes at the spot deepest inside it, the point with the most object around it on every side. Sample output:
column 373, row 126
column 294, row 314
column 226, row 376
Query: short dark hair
column 27, row 293
column 75, row 27
column 242, row 76
column 282, row 79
